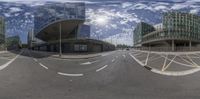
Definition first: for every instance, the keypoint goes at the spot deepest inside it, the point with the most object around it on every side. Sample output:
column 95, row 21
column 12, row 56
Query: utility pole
column 60, row 52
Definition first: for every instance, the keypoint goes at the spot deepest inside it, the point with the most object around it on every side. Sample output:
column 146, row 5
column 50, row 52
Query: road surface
column 115, row 75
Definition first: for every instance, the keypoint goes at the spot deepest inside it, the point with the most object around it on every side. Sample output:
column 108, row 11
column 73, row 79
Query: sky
column 112, row 21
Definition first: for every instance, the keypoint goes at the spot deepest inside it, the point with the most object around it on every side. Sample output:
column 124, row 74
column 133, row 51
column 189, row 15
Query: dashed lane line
column 43, row 66
column 101, row 68
column 9, row 62
column 66, row 74
column 113, row 60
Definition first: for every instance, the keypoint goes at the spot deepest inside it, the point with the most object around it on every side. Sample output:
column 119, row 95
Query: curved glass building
column 60, row 27
column 176, row 30
column 50, row 18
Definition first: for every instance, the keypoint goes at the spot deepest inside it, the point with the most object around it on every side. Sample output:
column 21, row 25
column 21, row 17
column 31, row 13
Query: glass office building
column 61, row 27
column 49, row 17
column 178, row 29
column 84, row 32
column 142, row 29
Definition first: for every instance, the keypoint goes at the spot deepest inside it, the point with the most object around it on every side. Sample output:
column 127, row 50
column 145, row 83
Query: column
column 190, row 45
column 172, row 45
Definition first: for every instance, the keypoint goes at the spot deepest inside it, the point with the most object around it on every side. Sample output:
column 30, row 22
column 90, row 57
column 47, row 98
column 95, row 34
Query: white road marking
column 178, row 62
column 124, row 56
column 9, row 62
column 192, row 60
column 116, row 56
column 88, row 63
column 185, row 60
column 35, row 59
column 72, row 75
column 138, row 61
column 138, row 54
column 113, row 60
column 101, row 68
column 169, row 64
column 147, row 58
column 175, row 73
column 43, row 66
column 165, row 62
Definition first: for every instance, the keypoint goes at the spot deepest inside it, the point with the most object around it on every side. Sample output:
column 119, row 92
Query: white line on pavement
column 9, row 62
column 113, row 60
column 116, row 56
column 43, row 66
column 147, row 58
column 35, row 59
column 88, row 63
column 169, row 63
column 178, row 62
column 101, row 68
column 66, row 74
column 138, row 61
column 124, row 56
column 175, row 73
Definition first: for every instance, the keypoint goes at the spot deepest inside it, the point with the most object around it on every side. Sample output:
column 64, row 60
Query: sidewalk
column 74, row 55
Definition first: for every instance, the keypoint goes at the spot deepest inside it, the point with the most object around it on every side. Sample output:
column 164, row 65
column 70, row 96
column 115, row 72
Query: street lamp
column 60, row 52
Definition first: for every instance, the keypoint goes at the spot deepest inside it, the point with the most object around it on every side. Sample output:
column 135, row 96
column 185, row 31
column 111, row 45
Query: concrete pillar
column 172, row 45
column 190, row 45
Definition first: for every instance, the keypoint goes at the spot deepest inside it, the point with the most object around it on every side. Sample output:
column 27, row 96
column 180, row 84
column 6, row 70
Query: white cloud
column 7, row 14
column 179, row 6
column 161, row 8
column 126, row 4
column 15, row 9
column 194, row 11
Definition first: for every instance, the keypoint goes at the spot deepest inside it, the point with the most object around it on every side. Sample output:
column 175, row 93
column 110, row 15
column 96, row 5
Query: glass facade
column 175, row 26
column 50, row 13
column 84, row 31
column 141, row 30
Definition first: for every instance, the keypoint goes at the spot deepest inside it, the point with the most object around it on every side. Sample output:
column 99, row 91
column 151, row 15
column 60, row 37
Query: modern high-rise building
column 64, row 22
column 176, row 30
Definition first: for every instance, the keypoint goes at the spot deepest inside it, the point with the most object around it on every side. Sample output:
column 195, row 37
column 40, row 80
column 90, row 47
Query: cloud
column 7, row 14
column 194, row 11
column 126, row 4
column 15, row 9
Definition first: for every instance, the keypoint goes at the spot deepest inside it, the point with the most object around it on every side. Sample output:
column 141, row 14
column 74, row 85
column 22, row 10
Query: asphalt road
column 115, row 75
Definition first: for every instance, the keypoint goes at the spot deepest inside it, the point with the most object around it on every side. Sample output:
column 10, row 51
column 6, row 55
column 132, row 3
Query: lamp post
column 60, row 52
